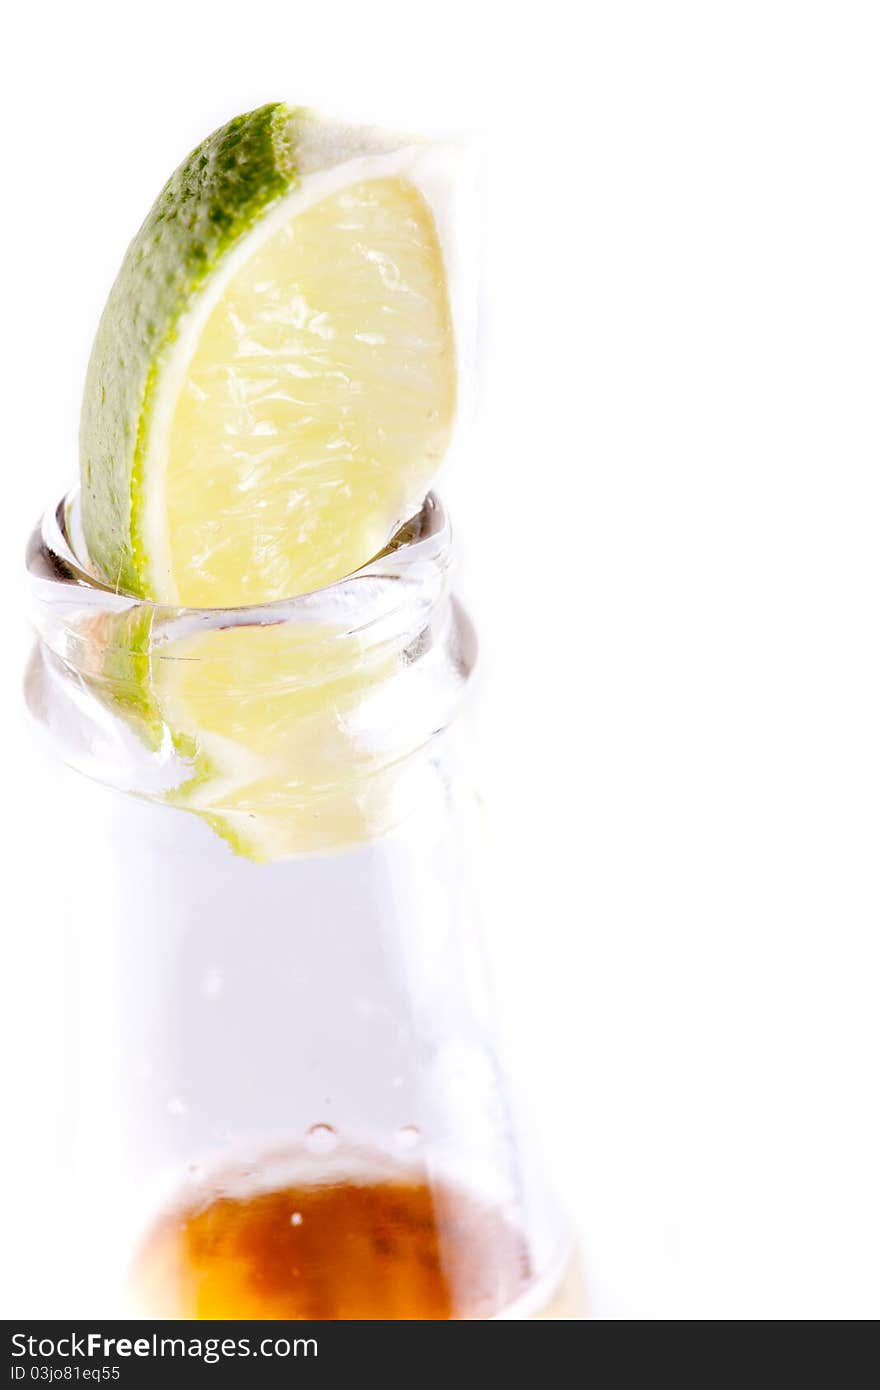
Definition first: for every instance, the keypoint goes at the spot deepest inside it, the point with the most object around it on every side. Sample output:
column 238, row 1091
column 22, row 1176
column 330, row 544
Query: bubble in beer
column 408, row 1137
column 321, row 1139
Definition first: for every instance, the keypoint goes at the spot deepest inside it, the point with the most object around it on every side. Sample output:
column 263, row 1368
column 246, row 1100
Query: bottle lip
column 410, row 568
column 392, row 597
column 364, row 673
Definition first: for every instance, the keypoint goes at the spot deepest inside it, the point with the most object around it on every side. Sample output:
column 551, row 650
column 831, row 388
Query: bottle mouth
column 290, row 721
column 390, row 603
column 417, row 558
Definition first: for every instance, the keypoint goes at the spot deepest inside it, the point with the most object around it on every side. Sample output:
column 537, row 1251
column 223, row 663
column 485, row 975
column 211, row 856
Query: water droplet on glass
column 321, row 1139
column 365, row 1008
column 296, row 1219
column 212, row 984
column 407, row 1137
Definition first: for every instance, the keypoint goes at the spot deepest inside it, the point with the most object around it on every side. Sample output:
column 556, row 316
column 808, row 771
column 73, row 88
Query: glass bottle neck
column 291, row 727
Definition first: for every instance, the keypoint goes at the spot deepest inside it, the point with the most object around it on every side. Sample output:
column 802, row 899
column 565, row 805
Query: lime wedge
column 278, row 721
column 273, row 382
column 271, row 392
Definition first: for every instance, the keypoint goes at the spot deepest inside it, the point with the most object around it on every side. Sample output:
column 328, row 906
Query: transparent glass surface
column 290, row 1101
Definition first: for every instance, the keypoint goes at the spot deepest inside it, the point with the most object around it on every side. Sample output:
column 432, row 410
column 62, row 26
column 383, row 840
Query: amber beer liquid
column 390, row 1246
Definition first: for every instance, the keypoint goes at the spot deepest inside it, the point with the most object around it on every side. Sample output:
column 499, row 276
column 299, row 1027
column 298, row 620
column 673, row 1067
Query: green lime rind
column 123, row 683
column 126, row 674
column 210, row 202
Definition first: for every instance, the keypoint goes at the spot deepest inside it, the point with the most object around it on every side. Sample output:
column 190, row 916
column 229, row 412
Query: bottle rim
column 346, row 683
column 412, row 569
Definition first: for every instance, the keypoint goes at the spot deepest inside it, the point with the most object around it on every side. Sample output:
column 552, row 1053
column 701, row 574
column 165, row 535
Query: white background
column 669, row 529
